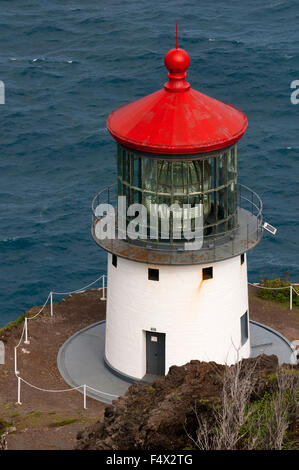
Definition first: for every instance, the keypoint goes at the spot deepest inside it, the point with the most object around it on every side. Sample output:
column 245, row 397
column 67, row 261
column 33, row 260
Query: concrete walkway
column 81, row 358
column 265, row 340
column 81, row 361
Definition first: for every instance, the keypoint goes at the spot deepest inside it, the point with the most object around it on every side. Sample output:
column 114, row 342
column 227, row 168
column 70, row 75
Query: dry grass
column 244, row 421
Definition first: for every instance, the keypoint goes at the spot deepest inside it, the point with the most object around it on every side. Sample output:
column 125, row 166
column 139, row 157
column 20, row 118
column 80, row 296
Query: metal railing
column 216, row 246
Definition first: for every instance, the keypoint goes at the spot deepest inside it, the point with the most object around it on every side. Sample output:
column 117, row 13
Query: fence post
column 16, row 370
column 103, row 288
column 26, row 331
column 291, row 297
column 19, row 391
column 51, row 303
column 84, row 394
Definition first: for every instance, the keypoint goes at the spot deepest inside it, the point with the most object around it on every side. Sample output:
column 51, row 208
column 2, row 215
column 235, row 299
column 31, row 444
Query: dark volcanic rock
column 153, row 416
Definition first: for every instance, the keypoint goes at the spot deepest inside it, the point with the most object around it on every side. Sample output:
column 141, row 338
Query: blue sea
column 66, row 65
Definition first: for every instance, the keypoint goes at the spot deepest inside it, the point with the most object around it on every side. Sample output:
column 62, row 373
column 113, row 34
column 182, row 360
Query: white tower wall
column 200, row 318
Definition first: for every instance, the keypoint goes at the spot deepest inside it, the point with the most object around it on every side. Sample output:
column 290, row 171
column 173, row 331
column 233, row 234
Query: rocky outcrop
column 154, row 416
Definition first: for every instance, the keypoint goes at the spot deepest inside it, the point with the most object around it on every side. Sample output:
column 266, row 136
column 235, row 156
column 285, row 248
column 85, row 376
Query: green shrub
column 15, row 323
column 281, row 295
column 3, row 426
column 257, row 426
column 12, row 324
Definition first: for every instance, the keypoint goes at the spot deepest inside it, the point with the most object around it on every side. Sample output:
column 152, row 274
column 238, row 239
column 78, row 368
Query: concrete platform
column 81, row 359
column 265, row 340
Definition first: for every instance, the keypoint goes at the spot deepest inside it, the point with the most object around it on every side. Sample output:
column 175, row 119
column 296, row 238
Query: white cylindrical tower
column 198, row 318
column 170, row 300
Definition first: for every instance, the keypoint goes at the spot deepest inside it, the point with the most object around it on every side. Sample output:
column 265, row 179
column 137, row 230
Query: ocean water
column 66, row 65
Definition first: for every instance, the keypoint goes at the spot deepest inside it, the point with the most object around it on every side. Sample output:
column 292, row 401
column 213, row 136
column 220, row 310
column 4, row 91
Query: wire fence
column 84, row 387
column 103, row 280
column 291, row 289
column 50, row 297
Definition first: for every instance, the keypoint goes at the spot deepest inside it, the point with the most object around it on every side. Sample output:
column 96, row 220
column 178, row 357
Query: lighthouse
column 171, row 299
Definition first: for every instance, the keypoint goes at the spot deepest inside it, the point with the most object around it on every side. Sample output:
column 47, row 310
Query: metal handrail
column 111, row 188
column 96, row 201
column 253, row 193
column 252, row 226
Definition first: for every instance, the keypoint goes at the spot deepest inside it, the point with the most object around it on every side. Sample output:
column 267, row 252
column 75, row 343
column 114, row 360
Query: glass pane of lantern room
column 220, row 162
column 164, row 177
column 232, row 163
column 131, row 178
column 232, row 204
column 137, row 180
column 221, row 209
column 119, row 170
column 164, row 216
column 149, row 181
column 206, row 186
column 150, row 174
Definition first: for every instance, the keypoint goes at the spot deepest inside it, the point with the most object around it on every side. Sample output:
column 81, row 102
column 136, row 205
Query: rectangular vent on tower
column 153, row 274
column 207, row 273
column 114, row 260
column 242, row 258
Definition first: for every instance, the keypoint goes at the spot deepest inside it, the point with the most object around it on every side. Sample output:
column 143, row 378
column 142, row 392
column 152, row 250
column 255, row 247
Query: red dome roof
column 177, row 119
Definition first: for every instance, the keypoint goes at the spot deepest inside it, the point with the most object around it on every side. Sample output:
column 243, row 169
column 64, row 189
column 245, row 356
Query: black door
column 155, row 353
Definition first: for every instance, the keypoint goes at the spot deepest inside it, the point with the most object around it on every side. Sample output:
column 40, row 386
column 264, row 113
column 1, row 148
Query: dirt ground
column 52, row 420
column 274, row 314
column 47, row 420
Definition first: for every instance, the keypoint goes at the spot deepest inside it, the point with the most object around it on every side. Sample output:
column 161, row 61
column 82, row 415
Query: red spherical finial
column 177, row 60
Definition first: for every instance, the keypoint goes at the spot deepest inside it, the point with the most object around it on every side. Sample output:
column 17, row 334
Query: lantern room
column 178, row 146
column 209, row 179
